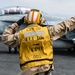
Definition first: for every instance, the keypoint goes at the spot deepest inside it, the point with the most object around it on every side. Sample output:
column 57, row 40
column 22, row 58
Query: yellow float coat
column 35, row 47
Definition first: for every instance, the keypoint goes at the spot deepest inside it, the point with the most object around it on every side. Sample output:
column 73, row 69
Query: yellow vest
column 35, row 47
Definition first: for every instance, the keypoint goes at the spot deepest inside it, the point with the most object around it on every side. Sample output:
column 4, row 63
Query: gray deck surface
column 63, row 60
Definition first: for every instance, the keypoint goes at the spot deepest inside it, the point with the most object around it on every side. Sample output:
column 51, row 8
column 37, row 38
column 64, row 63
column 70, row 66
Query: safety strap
column 34, row 61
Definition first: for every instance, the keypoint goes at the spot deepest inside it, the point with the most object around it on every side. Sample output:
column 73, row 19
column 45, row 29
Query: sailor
column 35, row 41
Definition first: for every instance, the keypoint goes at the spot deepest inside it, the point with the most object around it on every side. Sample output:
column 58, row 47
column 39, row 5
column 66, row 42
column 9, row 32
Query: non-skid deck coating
column 63, row 60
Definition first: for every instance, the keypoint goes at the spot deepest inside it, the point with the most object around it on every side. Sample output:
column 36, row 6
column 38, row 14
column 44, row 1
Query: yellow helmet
column 34, row 17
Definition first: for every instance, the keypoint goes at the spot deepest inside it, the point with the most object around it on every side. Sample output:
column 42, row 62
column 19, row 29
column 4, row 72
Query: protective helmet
column 34, row 16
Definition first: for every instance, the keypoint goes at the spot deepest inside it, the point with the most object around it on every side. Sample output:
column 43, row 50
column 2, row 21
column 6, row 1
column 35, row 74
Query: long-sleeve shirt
column 11, row 37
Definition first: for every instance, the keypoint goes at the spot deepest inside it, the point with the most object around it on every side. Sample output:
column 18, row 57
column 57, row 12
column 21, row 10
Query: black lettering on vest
column 32, row 49
column 40, row 37
column 30, row 29
column 25, row 39
column 32, row 38
column 36, row 47
column 36, row 56
column 29, row 38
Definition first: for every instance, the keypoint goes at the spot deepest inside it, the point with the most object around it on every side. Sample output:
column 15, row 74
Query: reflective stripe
column 34, row 33
column 31, row 16
column 35, row 17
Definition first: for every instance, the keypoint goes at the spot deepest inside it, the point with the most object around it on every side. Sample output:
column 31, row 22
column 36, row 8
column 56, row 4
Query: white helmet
column 34, row 17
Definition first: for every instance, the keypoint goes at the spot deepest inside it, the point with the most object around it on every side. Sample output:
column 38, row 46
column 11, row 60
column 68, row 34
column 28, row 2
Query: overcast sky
column 52, row 7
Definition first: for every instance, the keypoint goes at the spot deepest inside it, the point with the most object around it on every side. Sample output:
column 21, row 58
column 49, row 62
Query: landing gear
column 9, row 49
column 71, row 50
column 14, row 49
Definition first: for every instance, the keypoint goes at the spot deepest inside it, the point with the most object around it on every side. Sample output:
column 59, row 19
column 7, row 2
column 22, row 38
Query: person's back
column 35, row 42
column 36, row 47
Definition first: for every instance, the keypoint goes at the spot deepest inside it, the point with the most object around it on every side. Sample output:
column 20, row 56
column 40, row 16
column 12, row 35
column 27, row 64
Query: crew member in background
column 35, row 42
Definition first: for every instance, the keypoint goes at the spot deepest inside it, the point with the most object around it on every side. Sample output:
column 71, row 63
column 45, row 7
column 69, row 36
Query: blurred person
column 35, row 42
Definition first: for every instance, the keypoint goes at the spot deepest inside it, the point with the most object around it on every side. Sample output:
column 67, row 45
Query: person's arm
column 10, row 35
column 57, row 31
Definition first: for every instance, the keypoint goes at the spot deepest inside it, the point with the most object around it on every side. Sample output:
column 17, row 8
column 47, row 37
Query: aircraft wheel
column 9, row 49
column 15, row 50
column 71, row 50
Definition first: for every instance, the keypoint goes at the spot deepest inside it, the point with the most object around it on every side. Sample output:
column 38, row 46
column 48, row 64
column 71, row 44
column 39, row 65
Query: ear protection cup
column 25, row 19
column 42, row 20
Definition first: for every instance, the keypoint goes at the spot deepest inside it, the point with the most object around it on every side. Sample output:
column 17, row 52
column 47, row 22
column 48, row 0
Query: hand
column 21, row 21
